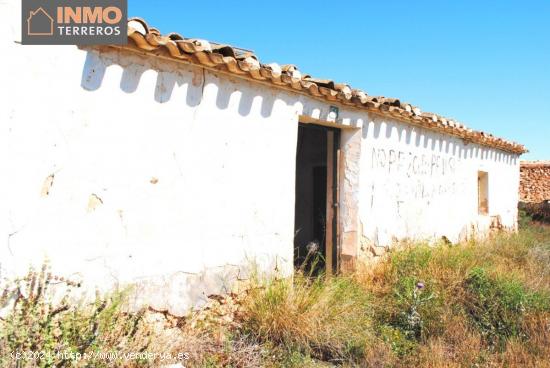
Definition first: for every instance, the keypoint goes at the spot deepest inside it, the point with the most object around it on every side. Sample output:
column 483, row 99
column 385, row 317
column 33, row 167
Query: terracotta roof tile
column 245, row 63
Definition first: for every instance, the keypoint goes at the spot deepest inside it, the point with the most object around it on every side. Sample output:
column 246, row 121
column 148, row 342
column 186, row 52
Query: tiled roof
column 246, row 64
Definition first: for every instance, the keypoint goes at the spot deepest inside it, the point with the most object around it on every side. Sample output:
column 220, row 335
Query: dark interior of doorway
column 315, row 213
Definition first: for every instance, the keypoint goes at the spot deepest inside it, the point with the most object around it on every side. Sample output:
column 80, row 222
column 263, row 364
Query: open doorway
column 315, row 220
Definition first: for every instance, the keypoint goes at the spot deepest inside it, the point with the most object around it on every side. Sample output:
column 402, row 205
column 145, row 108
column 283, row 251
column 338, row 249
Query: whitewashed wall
column 419, row 184
column 121, row 168
column 160, row 171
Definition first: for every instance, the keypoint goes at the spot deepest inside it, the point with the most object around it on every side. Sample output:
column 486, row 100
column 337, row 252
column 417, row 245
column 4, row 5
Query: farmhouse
column 176, row 163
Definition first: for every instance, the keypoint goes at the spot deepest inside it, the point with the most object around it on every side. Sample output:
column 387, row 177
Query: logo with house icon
column 39, row 23
column 74, row 22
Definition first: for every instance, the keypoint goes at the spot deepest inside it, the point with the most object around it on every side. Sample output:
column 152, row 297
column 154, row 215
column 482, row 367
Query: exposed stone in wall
column 47, row 185
column 179, row 293
column 93, row 202
column 534, row 181
column 370, row 252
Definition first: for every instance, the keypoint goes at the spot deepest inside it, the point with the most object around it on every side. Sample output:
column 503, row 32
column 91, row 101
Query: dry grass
column 489, row 303
column 328, row 319
column 480, row 304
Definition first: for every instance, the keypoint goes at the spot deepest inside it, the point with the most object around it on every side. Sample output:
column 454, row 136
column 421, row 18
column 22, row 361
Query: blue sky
column 484, row 63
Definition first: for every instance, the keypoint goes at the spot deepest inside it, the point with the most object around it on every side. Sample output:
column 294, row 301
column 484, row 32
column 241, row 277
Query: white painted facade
column 121, row 168
column 418, row 184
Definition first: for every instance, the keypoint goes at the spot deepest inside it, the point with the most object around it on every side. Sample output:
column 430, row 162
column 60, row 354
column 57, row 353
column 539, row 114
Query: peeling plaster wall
column 127, row 169
column 419, row 184
column 350, row 166
column 122, row 168
column 130, row 169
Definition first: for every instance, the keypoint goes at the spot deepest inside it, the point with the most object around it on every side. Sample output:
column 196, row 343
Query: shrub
column 415, row 304
column 498, row 305
column 399, row 342
column 64, row 333
column 411, row 304
column 537, row 211
column 493, row 305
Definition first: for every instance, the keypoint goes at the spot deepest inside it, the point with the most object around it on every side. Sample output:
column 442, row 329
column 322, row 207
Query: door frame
column 332, row 246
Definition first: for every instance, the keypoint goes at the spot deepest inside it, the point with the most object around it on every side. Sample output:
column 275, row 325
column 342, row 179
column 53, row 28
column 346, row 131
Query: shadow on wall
column 430, row 141
column 95, row 66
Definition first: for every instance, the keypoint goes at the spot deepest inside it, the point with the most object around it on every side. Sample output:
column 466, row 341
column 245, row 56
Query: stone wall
column 535, row 181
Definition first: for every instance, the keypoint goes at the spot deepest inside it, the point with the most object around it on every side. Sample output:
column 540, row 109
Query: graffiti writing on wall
column 412, row 164
column 412, row 181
